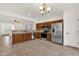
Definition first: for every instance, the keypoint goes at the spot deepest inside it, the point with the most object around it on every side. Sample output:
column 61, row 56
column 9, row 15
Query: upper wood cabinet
column 48, row 24
column 39, row 26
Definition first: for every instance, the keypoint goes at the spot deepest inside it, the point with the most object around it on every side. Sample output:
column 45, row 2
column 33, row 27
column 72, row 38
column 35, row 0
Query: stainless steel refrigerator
column 57, row 34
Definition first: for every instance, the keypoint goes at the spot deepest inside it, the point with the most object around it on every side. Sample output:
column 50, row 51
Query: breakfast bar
column 21, row 36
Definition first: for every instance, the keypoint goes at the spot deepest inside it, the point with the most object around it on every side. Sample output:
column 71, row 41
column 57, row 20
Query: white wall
column 71, row 23
column 0, row 29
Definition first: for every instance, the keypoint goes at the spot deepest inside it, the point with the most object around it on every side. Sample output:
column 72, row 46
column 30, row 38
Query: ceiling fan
column 17, row 21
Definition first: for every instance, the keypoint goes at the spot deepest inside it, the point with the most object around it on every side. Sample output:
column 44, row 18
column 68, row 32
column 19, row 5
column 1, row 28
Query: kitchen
column 43, row 32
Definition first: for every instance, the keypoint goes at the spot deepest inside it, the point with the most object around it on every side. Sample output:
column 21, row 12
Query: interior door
column 77, row 23
column 70, row 28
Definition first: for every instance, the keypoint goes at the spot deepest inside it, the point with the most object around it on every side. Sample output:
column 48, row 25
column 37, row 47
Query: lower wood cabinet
column 16, row 38
column 49, row 37
column 37, row 35
column 27, row 36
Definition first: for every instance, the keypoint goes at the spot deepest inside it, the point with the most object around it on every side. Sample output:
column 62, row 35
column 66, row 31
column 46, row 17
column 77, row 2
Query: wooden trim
column 55, row 21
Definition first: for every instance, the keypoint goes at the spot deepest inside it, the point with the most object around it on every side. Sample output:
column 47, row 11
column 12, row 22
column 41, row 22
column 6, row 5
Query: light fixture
column 44, row 9
column 17, row 21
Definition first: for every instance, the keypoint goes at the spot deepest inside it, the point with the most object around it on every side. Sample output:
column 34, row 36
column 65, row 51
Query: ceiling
column 9, row 19
column 31, row 12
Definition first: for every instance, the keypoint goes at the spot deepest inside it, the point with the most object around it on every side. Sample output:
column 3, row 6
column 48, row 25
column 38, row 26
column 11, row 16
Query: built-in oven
column 43, row 35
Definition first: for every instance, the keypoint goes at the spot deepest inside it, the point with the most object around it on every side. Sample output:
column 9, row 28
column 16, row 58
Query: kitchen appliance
column 57, row 33
column 44, row 33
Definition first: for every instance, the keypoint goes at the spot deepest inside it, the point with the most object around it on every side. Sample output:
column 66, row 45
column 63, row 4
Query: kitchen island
column 21, row 36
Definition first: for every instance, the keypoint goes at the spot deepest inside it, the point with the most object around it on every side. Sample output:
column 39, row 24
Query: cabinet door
column 49, row 37
column 16, row 38
column 39, row 26
column 38, row 35
column 13, row 39
column 28, row 36
column 21, row 37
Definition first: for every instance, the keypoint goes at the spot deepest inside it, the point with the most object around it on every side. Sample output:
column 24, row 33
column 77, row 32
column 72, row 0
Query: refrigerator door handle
column 53, row 30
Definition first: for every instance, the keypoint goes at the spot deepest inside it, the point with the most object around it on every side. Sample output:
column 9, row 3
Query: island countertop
column 18, row 37
column 22, row 35
column 25, row 31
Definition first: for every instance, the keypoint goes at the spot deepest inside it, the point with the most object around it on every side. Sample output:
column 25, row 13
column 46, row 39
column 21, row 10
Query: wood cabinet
column 28, row 36
column 48, row 24
column 16, row 38
column 49, row 36
column 38, row 35
column 39, row 26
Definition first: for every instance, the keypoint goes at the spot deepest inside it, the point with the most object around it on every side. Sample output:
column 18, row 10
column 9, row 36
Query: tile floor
column 35, row 47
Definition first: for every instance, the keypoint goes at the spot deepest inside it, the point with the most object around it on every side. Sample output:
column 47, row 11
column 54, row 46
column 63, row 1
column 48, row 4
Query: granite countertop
column 26, row 31
column 20, row 32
